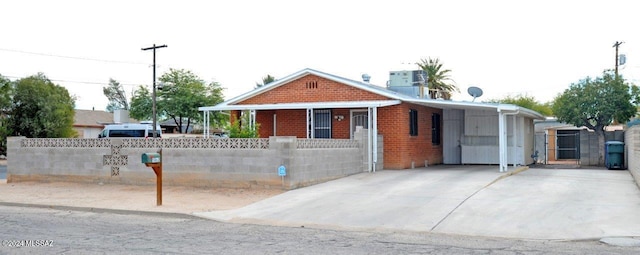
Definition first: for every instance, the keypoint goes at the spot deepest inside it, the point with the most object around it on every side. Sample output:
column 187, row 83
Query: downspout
column 375, row 137
column 369, row 140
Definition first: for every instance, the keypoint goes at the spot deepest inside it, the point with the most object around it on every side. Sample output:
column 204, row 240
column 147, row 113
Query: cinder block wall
column 632, row 152
column 589, row 148
column 186, row 162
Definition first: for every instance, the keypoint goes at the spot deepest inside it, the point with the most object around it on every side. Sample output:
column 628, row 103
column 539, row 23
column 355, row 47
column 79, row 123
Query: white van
column 129, row 131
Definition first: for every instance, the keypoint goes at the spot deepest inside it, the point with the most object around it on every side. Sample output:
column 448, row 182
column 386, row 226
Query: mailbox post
column 154, row 160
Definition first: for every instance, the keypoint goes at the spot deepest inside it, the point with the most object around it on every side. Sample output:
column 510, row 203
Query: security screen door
column 359, row 118
column 322, row 123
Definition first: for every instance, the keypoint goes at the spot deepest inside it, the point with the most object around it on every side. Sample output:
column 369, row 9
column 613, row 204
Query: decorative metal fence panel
column 326, row 143
column 183, row 143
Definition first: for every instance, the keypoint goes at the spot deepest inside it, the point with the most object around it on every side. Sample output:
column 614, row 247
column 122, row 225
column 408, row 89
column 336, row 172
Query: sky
column 507, row 48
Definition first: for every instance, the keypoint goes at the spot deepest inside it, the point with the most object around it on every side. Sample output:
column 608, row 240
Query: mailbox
column 148, row 158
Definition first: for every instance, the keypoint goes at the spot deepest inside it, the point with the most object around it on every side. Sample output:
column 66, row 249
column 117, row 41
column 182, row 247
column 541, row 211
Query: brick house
column 415, row 131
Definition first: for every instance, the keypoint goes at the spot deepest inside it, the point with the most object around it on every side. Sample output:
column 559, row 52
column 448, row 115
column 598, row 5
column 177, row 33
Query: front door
column 452, row 132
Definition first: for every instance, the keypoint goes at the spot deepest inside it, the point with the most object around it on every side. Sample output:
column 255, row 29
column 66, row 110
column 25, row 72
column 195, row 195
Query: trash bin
column 614, row 155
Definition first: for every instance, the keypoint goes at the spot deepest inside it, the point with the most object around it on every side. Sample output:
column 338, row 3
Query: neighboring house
column 414, row 132
column 558, row 142
column 89, row 123
column 169, row 126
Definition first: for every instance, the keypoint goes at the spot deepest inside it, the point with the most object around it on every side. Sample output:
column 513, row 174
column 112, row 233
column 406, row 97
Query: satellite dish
column 474, row 92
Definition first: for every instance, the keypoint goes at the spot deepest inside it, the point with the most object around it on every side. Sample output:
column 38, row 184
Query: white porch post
column 310, row 129
column 205, row 123
column 252, row 118
column 502, row 141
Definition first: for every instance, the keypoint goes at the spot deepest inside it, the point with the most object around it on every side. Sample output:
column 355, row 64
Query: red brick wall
column 340, row 129
column 400, row 148
column 293, row 123
column 265, row 122
column 312, row 88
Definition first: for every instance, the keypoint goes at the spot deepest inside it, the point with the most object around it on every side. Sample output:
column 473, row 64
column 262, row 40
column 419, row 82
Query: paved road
column 95, row 232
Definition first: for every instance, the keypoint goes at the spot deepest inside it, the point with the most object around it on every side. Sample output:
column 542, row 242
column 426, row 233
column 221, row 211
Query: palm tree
column 266, row 80
column 438, row 79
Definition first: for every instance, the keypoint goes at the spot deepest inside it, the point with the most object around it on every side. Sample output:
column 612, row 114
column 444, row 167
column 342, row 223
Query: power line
column 82, row 82
column 76, row 58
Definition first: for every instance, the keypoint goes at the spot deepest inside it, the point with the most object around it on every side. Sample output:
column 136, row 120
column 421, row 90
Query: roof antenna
column 474, row 92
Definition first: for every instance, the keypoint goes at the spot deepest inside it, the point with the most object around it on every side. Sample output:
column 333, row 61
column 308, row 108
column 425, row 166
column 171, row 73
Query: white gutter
column 293, row 106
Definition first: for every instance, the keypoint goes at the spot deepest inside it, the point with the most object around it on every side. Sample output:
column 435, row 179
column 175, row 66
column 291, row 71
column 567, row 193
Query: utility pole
column 616, row 45
column 154, row 47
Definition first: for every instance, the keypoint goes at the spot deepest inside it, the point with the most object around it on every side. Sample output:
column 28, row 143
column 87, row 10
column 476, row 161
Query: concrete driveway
column 533, row 204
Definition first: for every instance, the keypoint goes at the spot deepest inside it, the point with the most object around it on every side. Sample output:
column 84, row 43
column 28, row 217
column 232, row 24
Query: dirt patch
column 130, row 197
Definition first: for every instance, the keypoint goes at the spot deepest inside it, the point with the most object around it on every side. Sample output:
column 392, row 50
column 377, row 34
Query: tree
column 265, row 80
column 141, row 104
column 41, row 109
column 116, row 95
column 596, row 103
column 437, row 79
column 5, row 106
column 528, row 102
column 240, row 128
column 183, row 94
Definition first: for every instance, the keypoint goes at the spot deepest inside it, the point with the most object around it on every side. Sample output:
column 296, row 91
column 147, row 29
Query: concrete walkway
column 534, row 204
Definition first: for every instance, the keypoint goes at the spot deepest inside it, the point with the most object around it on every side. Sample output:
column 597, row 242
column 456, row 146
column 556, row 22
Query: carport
column 485, row 133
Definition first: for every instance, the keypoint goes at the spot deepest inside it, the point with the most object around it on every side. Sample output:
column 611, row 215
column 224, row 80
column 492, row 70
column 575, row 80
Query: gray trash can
column 614, row 155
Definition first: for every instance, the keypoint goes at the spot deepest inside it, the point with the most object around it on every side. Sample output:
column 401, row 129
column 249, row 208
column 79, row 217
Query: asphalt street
column 30, row 230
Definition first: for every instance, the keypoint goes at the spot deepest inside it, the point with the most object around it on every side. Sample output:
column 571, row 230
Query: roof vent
column 366, row 78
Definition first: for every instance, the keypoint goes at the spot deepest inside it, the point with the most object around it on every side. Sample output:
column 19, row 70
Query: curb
column 103, row 210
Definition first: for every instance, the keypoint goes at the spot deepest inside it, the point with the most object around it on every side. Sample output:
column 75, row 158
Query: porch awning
column 289, row 106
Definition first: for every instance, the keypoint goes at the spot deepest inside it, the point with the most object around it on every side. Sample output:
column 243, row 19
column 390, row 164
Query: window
column 127, row 133
column 435, row 129
column 413, row 122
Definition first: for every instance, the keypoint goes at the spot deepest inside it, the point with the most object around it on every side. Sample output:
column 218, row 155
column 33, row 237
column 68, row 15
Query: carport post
column 515, row 139
column 503, row 148
column 502, row 141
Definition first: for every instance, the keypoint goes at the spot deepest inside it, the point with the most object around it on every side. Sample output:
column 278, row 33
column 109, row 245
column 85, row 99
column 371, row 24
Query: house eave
column 447, row 104
column 305, row 105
